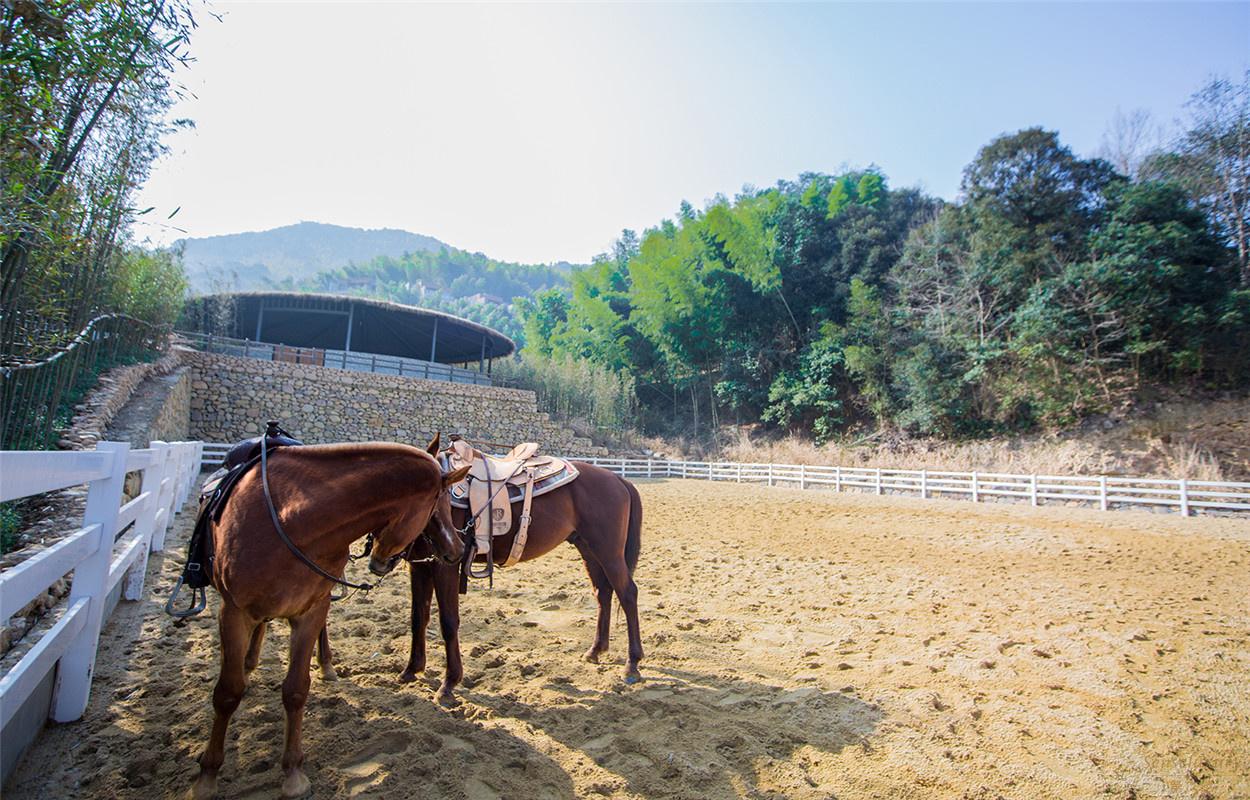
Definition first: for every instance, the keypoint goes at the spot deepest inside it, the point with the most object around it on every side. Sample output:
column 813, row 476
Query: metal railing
column 34, row 393
column 1105, row 492
column 337, row 359
column 112, row 545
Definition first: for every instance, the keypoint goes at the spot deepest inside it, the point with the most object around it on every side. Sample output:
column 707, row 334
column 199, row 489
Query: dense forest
column 1055, row 287
column 469, row 285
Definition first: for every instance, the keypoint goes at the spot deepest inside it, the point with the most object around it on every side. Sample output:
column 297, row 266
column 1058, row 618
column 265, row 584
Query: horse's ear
column 432, row 447
column 455, row 476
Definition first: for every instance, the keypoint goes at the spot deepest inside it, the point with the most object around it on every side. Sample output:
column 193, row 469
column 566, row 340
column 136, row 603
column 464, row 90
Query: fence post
column 739, row 472
column 1184, row 497
column 156, row 476
column 1033, row 490
column 73, row 677
column 878, row 480
column 924, row 484
column 184, row 477
column 648, row 468
column 770, row 473
column 1102, row 492
column 976, row 487
column 802, row 476
column 683, row 468
column 146, row 521
column 837, row 478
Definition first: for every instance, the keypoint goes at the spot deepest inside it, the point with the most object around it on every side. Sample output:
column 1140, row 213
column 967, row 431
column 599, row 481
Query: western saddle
column 494, row 483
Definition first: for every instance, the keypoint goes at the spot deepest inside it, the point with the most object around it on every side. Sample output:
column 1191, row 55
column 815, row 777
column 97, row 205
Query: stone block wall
column 173, row 420
column 231, row 398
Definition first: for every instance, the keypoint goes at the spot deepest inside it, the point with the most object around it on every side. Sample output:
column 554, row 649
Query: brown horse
column 326, row 497
column 600, row 514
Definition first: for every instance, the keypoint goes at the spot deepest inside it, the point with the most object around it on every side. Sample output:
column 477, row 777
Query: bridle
column 363, row 586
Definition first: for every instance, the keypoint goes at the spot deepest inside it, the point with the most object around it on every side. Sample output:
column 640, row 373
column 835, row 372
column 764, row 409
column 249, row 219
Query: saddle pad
column 459, row 493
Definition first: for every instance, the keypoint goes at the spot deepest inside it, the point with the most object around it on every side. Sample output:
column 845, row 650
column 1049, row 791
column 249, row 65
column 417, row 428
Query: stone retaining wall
column 114, row 388
column 232, row 397
column 173, row 421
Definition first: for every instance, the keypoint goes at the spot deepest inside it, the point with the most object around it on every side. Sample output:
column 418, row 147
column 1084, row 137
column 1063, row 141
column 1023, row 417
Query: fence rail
column 1106, row 492
column 110, row 547
column 338, row 359
column 1102, row 491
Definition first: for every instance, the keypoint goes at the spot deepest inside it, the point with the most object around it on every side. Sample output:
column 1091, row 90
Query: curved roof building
column 344, row 323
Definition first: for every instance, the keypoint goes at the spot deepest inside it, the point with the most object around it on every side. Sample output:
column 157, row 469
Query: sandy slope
column 805, row 645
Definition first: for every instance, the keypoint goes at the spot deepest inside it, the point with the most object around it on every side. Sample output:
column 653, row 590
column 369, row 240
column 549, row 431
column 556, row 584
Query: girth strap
column 522, row 531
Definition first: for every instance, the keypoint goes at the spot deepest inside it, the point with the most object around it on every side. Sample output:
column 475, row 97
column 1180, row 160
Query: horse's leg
column 603, row 591
column 236, row 630
column 305, row 630
column 627, row 593
column 422, row 583
column 447, row 586
column 325, row 656
column 253, row 650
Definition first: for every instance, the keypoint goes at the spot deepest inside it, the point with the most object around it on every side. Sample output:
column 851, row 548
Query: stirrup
column 199, row 599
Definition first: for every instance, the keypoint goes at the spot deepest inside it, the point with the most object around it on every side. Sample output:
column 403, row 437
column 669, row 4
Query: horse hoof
column 296, row 784
column 407, row 676
column 447, row 698
column 204, row 787
column 328, row 673
column 592, row 656
column 632, row 676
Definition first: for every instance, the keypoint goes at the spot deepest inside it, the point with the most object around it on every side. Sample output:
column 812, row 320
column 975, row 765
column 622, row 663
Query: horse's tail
column 633, row 537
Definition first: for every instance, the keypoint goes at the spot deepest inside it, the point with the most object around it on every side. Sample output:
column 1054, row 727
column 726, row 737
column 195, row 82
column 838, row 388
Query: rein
column 273, row 515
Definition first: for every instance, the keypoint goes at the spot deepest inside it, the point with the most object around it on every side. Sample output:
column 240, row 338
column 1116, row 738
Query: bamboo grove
column 85, row 88
column 1055, row 287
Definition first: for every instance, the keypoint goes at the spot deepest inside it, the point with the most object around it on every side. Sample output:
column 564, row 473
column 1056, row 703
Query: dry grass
column 1199, row 440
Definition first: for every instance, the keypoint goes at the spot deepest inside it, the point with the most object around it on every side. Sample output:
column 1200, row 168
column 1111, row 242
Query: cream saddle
column 494, row 483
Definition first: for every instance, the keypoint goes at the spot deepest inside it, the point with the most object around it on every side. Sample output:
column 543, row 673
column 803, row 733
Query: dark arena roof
column 339, row 322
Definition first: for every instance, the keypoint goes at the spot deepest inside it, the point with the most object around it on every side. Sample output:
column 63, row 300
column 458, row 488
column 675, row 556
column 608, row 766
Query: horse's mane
column 341, row 449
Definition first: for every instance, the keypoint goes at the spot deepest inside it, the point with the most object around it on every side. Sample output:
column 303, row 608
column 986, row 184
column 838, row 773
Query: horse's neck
column 353, row 501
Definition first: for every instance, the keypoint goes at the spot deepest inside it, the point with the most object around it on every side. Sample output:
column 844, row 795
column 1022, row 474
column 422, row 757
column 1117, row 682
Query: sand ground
column 799, row 645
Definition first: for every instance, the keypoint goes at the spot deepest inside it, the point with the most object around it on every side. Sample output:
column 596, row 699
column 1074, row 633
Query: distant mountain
column 294, row 253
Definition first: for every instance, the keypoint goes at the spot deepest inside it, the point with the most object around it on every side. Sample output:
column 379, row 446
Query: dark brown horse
column 326, row 497
column 600, row 513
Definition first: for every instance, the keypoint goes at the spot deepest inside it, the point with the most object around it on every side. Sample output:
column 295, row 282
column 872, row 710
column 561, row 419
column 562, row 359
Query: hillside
column 469, row 285
column 257, row 260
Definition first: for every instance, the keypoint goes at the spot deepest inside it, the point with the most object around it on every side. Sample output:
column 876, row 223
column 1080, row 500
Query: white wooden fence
column 1102, row 491
column 113, row 542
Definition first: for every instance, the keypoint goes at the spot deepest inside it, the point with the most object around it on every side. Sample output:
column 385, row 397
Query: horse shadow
column 685, row 734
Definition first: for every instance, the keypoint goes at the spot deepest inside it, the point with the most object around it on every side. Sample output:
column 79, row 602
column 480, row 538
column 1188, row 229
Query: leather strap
column 273, row 515
column 522, row 531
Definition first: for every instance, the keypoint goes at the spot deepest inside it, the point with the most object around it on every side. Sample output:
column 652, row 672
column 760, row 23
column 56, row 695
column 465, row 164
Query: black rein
column 273, row 514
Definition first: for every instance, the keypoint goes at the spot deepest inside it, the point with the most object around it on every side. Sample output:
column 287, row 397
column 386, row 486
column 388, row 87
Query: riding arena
column 749, row 636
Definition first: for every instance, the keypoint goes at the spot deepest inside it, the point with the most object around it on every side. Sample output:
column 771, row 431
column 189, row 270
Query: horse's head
column 433, row 515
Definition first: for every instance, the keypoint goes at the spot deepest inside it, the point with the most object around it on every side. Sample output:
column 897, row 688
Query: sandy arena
column 799, row 645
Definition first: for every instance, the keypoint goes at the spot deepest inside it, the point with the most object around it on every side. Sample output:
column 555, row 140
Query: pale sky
column 536, row 133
